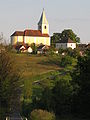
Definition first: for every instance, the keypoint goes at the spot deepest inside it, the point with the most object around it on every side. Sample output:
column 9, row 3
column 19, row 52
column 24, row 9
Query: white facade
column 71, row 45
column 66, row 45
column 30, row 50
column 37, row 40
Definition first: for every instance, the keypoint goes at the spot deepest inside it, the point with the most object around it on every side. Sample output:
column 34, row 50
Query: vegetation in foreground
column 60, row 92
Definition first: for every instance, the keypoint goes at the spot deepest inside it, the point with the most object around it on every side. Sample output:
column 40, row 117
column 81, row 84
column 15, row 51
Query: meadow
column 32, row 68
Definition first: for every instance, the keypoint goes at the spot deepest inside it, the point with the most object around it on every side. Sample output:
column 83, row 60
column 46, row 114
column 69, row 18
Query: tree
column 2, row 39
column 64, row 35
column 9, row 84
column 55, row 38
column 34, row 48
column 39, row 114
column 62, row 95
column 70, row 34
column 81, row 77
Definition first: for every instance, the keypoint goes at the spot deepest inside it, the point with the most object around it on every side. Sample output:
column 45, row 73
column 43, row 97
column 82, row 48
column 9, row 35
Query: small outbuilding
column 29, row 50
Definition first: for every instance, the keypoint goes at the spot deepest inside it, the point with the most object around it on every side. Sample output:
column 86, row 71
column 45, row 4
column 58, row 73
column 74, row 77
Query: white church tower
column 43, row 25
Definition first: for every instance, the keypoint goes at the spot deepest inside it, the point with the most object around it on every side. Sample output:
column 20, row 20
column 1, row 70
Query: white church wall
column 37, row 40
column 14, row 40
column 20, row 39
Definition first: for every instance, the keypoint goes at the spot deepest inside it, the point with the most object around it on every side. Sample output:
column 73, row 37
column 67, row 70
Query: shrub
column 39, row 114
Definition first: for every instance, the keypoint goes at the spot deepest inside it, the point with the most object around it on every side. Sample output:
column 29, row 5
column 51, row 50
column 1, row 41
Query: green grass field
column 32, row 68
column 32, row 65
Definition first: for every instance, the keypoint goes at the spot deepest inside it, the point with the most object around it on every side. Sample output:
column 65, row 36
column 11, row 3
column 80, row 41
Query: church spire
column 43, row 19
column 43, row 25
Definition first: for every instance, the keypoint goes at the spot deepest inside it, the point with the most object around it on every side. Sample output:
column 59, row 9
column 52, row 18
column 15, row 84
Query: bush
column 39, row 114
column 66, row 60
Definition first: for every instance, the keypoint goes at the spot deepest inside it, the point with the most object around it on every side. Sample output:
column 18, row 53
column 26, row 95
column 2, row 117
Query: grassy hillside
column 32, row 68
column 29, row 65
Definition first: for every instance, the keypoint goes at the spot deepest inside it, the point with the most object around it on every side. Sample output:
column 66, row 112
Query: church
column 29, row 36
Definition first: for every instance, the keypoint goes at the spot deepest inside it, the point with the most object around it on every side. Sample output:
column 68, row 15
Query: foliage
column 70, row 34
column 62, row 95
column 34, row 48
column 63, row 92
column 55, row 38
column 9, row 83
column 81, row 77
column 69, row 52
column 9, row 48
column 66, row 60
column 64, row 35
column 51, row 51
column 2, row 39
column 61, row 50
column 39, row 114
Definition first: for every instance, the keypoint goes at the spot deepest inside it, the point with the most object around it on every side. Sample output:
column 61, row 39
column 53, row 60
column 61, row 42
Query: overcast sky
column 61, row 14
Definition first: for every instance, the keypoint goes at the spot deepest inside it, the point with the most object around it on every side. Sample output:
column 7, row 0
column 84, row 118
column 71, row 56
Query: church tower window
column 45, row 27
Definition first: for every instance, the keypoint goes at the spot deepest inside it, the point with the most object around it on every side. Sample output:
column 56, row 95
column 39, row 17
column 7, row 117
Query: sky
column 18, row 15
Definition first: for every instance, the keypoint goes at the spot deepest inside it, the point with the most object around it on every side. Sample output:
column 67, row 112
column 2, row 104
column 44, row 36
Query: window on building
column 45, row 27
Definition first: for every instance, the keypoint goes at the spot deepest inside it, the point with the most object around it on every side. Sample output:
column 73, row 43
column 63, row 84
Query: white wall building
column 66, row 43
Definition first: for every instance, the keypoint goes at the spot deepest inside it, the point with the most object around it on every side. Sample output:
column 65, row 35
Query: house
column 42, row 49
column 66, row 43
column 29, row 50
column 22, row 48
column 29, row 36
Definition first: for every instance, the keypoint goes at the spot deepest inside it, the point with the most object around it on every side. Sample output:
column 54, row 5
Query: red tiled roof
column 35, row 33
column 18, row 33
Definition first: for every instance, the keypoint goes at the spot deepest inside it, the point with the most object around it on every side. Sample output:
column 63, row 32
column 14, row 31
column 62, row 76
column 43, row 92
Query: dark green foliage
column 66, row 60
column 9, row 83
column 70, row 34
column 81, row 102
column 62, row 94
column 70, row 52
column 63, row 36
column 61, row 50
column 67, row 92
column 55, row 38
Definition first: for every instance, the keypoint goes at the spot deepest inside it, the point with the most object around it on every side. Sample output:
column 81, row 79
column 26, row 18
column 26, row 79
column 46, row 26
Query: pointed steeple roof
column 43, row 19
